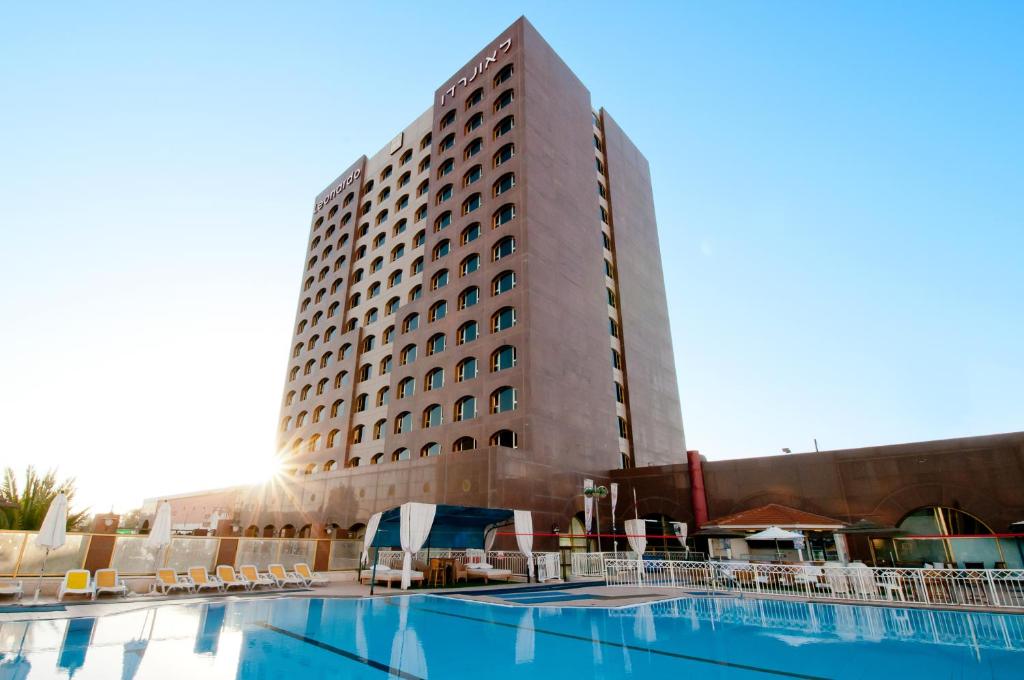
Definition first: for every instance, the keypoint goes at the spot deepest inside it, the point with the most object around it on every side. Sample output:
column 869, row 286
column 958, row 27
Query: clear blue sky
column 839, row 188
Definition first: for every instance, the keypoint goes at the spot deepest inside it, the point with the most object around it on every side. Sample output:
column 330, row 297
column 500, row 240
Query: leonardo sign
column 478, row 69
column 342, row 185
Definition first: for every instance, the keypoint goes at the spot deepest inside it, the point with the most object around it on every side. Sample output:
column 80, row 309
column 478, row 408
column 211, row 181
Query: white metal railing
column 499, row 559
column 591, row 564
column 1002, row 588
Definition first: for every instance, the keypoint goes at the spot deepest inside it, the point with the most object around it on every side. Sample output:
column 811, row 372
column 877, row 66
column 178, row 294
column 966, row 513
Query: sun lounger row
column 198, row 579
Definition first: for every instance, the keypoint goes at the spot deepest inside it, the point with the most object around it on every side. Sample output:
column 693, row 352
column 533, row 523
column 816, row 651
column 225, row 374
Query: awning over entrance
column 454, row 526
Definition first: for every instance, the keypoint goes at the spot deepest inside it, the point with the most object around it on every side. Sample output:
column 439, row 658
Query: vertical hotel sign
column 478, row 69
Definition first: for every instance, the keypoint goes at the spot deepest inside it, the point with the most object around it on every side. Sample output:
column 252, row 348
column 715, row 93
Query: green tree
column 24, row 507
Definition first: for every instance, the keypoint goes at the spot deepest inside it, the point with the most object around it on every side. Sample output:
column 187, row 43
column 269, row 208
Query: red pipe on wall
column 698, row 499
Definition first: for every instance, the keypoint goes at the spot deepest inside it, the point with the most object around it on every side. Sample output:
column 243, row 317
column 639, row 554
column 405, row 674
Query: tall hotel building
column 482, row 317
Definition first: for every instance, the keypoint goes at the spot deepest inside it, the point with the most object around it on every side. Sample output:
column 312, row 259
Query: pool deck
column 590, row 593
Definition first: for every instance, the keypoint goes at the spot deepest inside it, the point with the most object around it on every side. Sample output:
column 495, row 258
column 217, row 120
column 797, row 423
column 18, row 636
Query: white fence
column 1001, row 588
column 546, row 564
column 591, row 564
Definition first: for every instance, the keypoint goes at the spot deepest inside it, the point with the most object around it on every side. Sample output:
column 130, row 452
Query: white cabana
column 53, row 532
column 416, row 520
column 636, row 533
column 368, row 535
column 524, row 537
column 160, row 533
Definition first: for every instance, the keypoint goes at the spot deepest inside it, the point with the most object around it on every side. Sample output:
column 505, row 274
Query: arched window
column 408, row 355
column 395, row 278
column 472, row 149
column 472, row 175
column 503, row 358
column 383, row 395
column 436, row 344
column 401, row 224
column 353, row 461
column 406, row 387
column 297, row 350
column 465, row 370
column 357, row 434
column 332, row 438
column 503, row 215
column 469, row 297
column 503, row 399
column 415, row 292
column 300, row 419
column 439, row 280
column 475, row 121
column 443, row 195
column 325, row 359
column 340, row 379
column 445, row 167
column 464, row 444
column 504, row 126
column 378, row 261
column 504, row 154
column 443, row 247
column 400, row 454
column 285, row 422
column 469, row 234
column 475, row 97
column 305, row 392
column 505, row 183
column 416, row 267
column 503, row 319
column 330, row 465
column 362, row 402
column 448, row 119
column 506, row 438
column 431, row 449
column 433, row 416
column 318, row 413
column 293, row 373
column 503, row 75
column 434, row 380
column 411, row 322
column 437, row 311
column 333, row 309
column 471, row 204
column 321, row 386
column 465, row 408
column 623, row 427
column 467, row 332
column 443, row 220
column 337, row 408
column 503, row 283
column 371, row 316
column 397, row 252
column 379, row 427
column 403, row 422
column 469, row 265
column 448, row 141
column 392, row 306
column 377, row 459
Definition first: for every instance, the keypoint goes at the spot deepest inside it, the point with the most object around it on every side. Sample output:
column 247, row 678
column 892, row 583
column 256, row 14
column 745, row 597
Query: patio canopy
column 774, row 534
column 454, row 526
column 774, row 515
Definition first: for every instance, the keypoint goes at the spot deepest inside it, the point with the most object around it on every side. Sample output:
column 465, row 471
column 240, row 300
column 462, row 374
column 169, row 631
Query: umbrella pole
column 42, row 570
column 373, row 572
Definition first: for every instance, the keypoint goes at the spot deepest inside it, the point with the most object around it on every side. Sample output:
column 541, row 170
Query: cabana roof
column 774, row 515
column 455, row 526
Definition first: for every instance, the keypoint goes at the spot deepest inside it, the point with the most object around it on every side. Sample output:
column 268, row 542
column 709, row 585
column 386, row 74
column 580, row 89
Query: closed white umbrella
column 160, row 534
column 53, row 533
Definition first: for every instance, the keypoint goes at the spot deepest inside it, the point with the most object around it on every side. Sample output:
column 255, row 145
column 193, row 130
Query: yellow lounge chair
column 107, row 581
column 303, row 571
column 252, row 576
column 201, row 580
column 76, row 582
column 226, row 575
column 168, row 580
column 282, row 577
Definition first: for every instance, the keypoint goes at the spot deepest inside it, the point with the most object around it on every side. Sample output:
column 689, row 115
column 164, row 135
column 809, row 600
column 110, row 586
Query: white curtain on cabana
column 490, row 533
column 524, row 537
column 636, row 533
column 371, row 531
column 416, row 520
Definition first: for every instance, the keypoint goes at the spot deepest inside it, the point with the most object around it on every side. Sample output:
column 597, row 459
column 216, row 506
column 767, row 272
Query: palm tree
column 24, row 508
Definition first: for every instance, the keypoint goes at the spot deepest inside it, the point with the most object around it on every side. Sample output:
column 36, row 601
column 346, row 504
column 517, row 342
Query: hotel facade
column 482, row 316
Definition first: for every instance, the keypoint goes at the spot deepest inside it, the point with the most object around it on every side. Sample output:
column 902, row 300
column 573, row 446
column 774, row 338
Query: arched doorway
column 305, row 530
column 252, row 531
column 575, row 540
column 268, row 531
column 357, row 530
column 288, row 531
column 970, row 543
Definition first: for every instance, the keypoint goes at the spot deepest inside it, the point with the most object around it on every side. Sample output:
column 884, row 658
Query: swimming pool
column 445, row 637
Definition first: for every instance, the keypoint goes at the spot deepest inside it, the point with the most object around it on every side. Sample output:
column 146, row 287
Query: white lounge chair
column 167, row 580
column 201, row 580
column 229, row 579
column 488, row 572
column 283, row 577
column 76, row 582
column 107, row 581
column 13, row 588
column 252, row 576
column 388, row 575
column 311, row 578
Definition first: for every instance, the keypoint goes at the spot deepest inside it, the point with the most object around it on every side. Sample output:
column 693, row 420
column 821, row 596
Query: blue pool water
column 443, row 637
